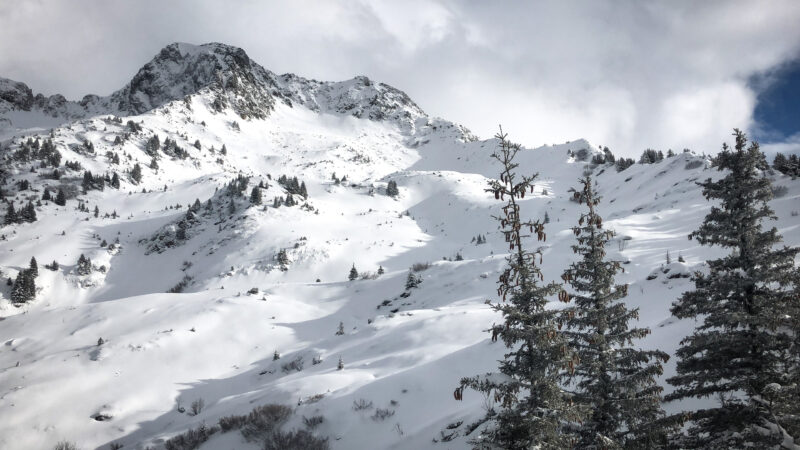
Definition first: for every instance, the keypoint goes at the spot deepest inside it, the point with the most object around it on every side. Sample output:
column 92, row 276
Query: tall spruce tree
column 353, row 273
column 741, row 353
column 613, row 379
column 535, row 411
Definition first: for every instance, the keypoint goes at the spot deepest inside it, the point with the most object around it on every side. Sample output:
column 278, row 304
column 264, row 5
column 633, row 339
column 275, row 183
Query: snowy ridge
column 403, row 350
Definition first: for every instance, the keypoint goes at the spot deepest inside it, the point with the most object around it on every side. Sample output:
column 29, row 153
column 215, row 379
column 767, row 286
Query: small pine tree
column 742, row 350
column 46, row 195
column 276, row 356
column 255, row 196
column 84, row 265
column 136, row 173
column 61, row 198
column 340, row 365
column 34, row 267
column 115, row 181
column 11, row 215
column 96, row 211
column 380, row 270
column 340, row 330
column 391, row 189
column 353, row 273
column 613, row 379
column 412, row 281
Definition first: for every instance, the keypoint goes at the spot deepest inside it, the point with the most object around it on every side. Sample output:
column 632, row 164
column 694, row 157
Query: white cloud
column 628, row 75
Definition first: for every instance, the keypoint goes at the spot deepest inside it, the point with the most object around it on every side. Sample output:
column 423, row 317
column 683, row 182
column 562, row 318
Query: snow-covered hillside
column 252, row 281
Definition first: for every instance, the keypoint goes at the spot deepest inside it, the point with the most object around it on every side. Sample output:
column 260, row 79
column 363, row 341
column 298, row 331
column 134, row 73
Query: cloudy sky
column 625, row 74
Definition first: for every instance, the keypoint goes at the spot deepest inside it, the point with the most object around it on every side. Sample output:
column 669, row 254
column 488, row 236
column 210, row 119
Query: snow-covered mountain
column 195, row 290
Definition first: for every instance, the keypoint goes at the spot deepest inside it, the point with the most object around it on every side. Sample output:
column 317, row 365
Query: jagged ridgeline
column 312, row 258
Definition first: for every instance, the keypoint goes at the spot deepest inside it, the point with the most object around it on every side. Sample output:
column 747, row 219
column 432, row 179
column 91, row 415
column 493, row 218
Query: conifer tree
column 255, row 196
column 61, row 198
column 11, row 214
column 535, row 411
column 391, row 189
column 380, row 270
column 46, row 195
column 84, row 265
column 613, row 379
column 115, row 181
column 412, row 281
column 34, row 267
column 741, row 352
column 136, row 173
column 353, row 273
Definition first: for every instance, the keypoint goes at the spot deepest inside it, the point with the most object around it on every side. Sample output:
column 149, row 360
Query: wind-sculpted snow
column 194, row 301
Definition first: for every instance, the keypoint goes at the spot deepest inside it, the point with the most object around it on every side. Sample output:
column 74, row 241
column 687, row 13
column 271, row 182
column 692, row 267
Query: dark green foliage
column 391, row 189
column 237, row 186
column 115, row 180
column 651, row 156
column 84, row 265
column 197, row 144
column 293, row 186
column 744, row 350
column 136, row 173
column 623, row 163
column 134, row 127
column 353, row 273
column 613, row 380
column 24, row 288
column 152, row 146
column 380, row 270
column 535, row 411
column 412, row 281
column 34, row 267
column 255, row 196
column 283, row 259
column 27, row 213
column 61, row 198
column 787, row 165
column 11, row 215
column 46, row 195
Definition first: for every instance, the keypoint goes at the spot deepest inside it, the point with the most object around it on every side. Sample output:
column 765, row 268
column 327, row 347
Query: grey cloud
column 624, row 74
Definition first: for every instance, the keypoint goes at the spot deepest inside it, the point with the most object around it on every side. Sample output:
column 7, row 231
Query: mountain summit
column 226, row 75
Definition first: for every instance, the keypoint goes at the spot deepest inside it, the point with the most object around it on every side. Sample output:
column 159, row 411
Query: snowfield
column 402, row 350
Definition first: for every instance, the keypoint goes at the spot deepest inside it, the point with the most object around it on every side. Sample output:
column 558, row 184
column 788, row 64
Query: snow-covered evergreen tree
column 613, row 379
column 535, row 411
column 741, row 353
column 353, row 273
column 84, row 266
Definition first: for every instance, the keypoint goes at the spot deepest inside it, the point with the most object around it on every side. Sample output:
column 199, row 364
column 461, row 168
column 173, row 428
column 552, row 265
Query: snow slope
column 216, row 339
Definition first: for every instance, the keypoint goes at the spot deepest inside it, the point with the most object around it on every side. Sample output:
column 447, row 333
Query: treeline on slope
column 573, row 377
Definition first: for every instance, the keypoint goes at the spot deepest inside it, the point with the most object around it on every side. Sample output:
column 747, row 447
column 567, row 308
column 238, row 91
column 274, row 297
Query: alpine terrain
column 216, row 256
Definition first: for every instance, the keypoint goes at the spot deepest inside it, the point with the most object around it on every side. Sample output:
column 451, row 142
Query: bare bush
column 779, row 191
column 197, row 406
column 313, row 421
column 191, row 439
column 65, row 445
column 419, row 267
column 694, row 164
column 294, row 440
column 295, row 365
column 263, row 420
column 361, row 404
column 229, row 423
column 382, row 414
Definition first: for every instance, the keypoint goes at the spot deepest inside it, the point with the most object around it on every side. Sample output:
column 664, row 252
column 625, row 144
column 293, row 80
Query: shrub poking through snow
column 263, row 420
